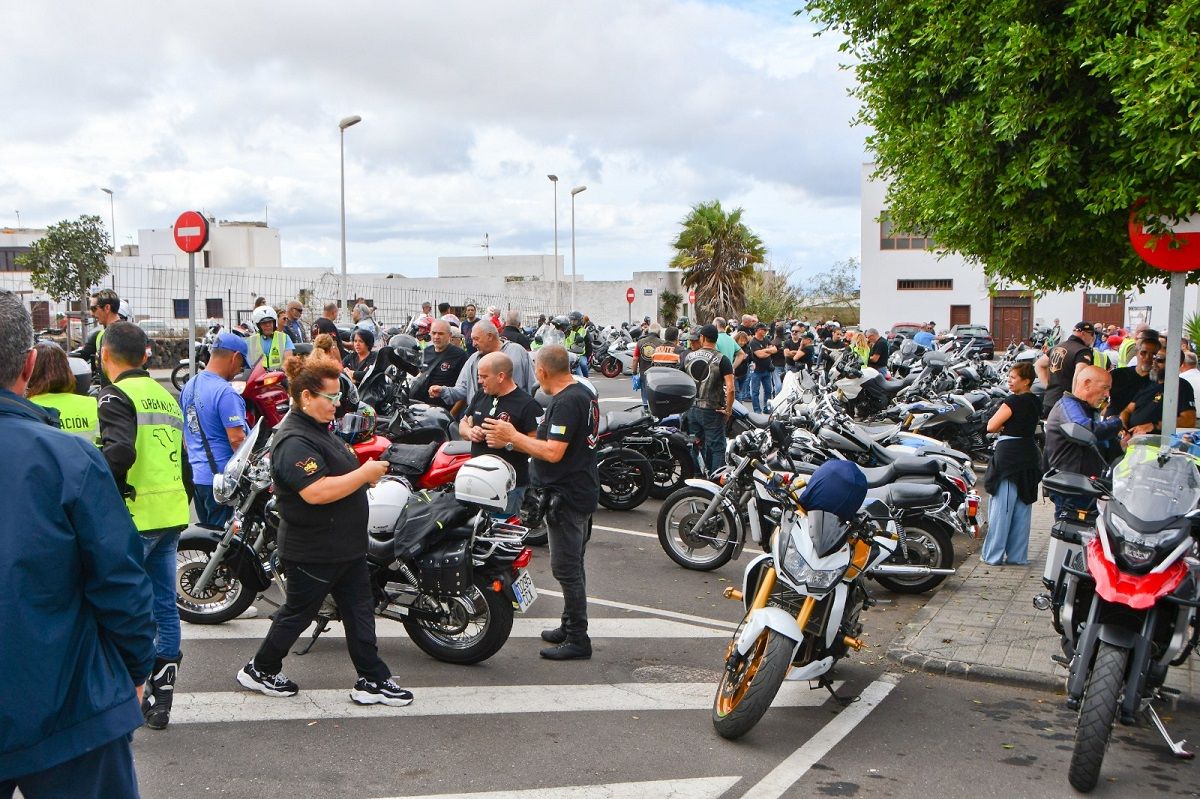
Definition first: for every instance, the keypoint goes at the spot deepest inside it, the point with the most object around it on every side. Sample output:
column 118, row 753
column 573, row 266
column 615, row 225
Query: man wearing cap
column 214, row 423
column 709, row 414
column 1057, row 367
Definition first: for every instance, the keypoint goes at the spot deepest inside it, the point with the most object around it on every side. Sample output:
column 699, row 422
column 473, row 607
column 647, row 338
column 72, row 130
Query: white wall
column 537, row 267
column 231, row 246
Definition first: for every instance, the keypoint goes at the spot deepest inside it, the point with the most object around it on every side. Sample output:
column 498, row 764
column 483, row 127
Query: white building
column 904, row 280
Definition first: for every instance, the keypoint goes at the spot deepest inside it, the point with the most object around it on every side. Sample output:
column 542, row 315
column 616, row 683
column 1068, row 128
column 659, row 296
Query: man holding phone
column 501, row 399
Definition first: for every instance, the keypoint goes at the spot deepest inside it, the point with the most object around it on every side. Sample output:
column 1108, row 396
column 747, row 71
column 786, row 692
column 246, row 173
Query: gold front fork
column 806, row 611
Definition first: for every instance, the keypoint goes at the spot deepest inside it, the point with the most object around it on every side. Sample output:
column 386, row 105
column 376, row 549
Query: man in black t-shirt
column 500, row 398
column 1128, row 381
column 1144, row 414
column 443, row 362
column 779, row 336
column 564, row 464
column 762, row 373
column 878, row 358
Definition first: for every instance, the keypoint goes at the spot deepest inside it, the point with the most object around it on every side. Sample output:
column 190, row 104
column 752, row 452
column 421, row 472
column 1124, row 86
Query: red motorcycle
column 265, row 394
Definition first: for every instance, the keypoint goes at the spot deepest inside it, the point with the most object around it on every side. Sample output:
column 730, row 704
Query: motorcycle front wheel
column 610, row 368
column 625, row 479
column 928, row 545
column 701, row 550
column 179, row 376
column 1097, row 714
column 226, row 597
column 747, row 689
column 471, row 628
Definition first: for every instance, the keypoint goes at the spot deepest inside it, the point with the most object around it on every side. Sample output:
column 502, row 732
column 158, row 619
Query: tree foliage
column 1021, row 133
column 717, row 254
column 668, row 306
column 771, row 294
column 69, row 259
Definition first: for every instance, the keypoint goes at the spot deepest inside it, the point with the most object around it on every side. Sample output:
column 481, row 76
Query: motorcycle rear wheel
column 481, row 622
column 672, row 470
column 179, row 376
column 1097, row 714
column 928, row 545
column 678, row 517
column 226, row 597
column 744, row 696
column 625, row 479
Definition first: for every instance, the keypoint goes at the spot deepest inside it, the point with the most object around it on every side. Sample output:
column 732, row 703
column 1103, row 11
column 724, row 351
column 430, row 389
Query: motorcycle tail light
column 959, row 483
column 272, row 379
column 972, row 507
column 523, row 559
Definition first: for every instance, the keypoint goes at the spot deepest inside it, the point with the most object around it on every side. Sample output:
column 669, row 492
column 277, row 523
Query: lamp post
column 574, row 191
column 112, row 216
column 554, row 180
column 342, row 125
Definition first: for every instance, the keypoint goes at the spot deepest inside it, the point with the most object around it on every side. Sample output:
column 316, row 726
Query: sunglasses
column 1160, row 360
column 334, row 398
column 93, row 307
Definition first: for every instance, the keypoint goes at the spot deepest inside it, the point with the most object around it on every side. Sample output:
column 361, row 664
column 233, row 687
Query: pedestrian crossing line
column 667, row 614
column 523, row 627
column 692, row 788
column 465, row 700
column 622, row 530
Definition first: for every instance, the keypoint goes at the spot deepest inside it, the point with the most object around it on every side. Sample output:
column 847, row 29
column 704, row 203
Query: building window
column 1102, row 299
column 214, row 308
column 890, row 239
column 930, row 284
column 181, row 308
column 8, row 259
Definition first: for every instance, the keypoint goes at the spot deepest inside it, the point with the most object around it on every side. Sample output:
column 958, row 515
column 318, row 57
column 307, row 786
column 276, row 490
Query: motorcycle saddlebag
column 410, row 460
column 445, row 570
column 429, row 519
column 668, row 390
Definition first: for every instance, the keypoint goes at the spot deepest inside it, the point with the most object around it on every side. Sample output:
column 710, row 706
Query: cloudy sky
column 232, row 108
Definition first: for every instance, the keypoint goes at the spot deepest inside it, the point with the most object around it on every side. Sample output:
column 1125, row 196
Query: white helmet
column 485, row 480
column 261, row 314
column 385, row 502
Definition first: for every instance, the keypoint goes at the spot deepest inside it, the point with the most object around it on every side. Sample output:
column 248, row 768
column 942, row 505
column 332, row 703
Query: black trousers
column 307, row 586
column 569, row 531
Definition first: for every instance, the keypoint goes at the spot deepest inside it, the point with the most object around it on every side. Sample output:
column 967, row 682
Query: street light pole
column 554, row 180
column 574, row 191
column 112, row 216
column 342, row 125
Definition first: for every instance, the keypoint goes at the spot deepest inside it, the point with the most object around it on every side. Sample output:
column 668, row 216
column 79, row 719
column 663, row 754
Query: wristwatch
column 509, row 446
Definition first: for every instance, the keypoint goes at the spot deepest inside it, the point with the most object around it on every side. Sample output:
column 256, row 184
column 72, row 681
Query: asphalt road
column 634, row 721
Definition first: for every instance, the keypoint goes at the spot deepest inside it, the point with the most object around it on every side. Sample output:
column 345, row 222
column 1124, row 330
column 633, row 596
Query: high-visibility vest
column 158, row 499
column 1125, row 353
column 665, row 355
column 76, row 413
column 274, row 355
column 1099, row 358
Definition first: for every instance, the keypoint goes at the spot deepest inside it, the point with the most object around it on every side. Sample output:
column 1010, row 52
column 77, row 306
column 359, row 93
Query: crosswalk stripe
column 487, row 700
column 667, row 614
column 694, row 788
column 523, row 627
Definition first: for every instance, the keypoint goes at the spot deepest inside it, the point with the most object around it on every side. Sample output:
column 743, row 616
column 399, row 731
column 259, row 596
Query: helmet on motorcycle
column 485, row 480
column 682, row 323
column 575, row 317
column 384, row 504
column 407, row 349
column 263, row 313
column 357, row 427
column 561, row 323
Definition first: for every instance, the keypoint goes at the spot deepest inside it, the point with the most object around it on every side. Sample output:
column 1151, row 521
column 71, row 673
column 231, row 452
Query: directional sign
column 629, row 296
column 191, row 231
column 1175, row 251
column 691, row 296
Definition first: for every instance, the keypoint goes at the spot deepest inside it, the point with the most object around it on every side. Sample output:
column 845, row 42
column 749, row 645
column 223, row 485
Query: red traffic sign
column 191, row 231
column 629, row 296
column 691, row 296
column 1176, row 251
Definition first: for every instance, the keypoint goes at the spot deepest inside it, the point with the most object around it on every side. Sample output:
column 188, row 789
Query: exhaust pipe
column 908, row 571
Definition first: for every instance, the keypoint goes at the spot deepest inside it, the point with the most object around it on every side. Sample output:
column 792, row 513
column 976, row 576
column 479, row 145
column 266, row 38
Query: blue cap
column 233, row 343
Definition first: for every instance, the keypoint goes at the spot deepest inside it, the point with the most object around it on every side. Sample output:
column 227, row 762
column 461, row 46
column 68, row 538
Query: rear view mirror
column 1078, row 434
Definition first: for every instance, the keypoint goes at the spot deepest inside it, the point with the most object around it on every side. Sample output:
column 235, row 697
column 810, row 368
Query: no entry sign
column 629, row 296
column 191, row 231
column 691, row 296
column 1176, row 251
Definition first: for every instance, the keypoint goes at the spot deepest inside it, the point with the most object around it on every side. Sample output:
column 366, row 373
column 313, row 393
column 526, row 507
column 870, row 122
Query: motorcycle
column 1125, row 596
column 805, row 596
column 182, row 371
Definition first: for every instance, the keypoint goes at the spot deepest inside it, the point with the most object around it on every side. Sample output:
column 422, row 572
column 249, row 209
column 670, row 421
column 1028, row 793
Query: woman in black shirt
column 741, row 367
column 362, row 358
column 321, row 493
column 1014, row 472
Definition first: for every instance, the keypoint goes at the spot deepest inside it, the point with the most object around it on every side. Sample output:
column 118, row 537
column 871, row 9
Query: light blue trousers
column 1008, row 528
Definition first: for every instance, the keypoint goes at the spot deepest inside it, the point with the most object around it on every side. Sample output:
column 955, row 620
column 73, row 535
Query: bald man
column 486, row 339
column 1080, row 405
column 443, row 362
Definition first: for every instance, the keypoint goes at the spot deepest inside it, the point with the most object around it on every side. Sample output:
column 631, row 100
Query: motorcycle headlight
column 218, row 489
column 801, row 573
column 1135, row 553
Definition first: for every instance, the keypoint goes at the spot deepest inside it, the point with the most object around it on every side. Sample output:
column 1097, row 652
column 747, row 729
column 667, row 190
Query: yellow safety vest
column 76, row 413
column 158, row 499
column 1099, row 358
column 274, row 355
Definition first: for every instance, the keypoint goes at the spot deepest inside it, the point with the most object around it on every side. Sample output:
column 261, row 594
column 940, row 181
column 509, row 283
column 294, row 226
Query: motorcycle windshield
column 237, row 464
column 553, row 336
column 1153, row 486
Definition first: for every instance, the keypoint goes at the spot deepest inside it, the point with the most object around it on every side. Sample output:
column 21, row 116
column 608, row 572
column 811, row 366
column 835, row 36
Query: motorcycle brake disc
column 693, row 538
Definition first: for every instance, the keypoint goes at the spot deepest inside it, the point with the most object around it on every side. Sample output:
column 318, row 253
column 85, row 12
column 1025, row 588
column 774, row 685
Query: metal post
column 112, row 217
column 554, row 303
column 342, row 125
column 192, row 314
column 574, row 191
column 1170, row 406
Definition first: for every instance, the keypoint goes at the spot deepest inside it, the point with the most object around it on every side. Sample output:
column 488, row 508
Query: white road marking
column 638, row 400
column 695, row 788
column 668, row 614
column 523, row 627
column 466, row 700
column 787, row 773
column 622, row 530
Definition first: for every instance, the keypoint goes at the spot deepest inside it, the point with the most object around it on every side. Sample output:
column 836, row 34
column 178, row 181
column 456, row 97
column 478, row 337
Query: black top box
column 668, row 390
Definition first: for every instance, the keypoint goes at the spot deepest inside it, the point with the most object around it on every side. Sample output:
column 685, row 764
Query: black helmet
column 406, row 348
column 562, row 323
column 358, row 426
column 576, row 317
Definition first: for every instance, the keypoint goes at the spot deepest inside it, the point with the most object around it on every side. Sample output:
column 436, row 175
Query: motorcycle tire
column 625, row 479
column 482, row 605
column 179, row 376
column 929, row 544
column 1097, row 714
column 610, row 368
column 226, row 597
column 744, row 696
column 671, row 470
column 678, row 516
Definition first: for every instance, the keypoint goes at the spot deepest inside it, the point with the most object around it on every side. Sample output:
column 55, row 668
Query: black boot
column 554, row 636
column 569, row 649
column 158, row 692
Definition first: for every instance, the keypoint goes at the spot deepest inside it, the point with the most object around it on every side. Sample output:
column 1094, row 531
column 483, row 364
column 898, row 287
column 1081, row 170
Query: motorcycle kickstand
column 845, row 701
column 322, row 626
column 1176, row 748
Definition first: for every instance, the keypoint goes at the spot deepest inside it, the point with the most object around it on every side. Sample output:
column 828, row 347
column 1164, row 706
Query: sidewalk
column 982, row 624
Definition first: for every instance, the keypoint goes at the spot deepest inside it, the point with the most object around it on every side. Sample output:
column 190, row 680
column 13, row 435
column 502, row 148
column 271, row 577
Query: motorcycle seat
column 617, row 420
column 458, row 447
column 902, row 467
column 761, row 420
column 892, row 386
column 908, row 495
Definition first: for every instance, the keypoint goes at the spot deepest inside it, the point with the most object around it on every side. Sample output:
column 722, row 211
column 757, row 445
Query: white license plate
column 524, row 591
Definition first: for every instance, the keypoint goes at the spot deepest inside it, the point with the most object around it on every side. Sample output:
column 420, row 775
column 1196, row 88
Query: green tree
column 668, row 306
column 770, row 294
column 1022, row 133
column 717, row 254
column 834, row 292
column 70, row 259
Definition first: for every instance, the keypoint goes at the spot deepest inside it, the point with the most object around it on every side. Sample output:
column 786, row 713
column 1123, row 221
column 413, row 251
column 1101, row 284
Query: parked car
column 981, row 335
column 158, row 328
column 901, row 331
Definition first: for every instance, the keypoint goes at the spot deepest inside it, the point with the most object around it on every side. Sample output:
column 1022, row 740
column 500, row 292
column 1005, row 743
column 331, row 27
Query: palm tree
column 717, row 253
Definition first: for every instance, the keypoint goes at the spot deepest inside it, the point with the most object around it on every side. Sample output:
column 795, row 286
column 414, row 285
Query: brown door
column 1104, row 306
column 1012, row 317
column 40, row 310
column 960, row 315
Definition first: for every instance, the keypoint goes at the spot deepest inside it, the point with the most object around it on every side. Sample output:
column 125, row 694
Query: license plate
column 523, row 590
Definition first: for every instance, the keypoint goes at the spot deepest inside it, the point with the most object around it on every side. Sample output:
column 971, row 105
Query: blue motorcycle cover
column 836, row 487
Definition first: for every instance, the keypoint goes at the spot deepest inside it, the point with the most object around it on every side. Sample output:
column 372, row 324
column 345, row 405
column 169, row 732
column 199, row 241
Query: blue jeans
column 515, row 498
column 779, row 373
column 105, row 772
column 742, row 387
column 208, row 510
column 762, row 383
column 709, row 426
column 1008, row 528
column 159, row 551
